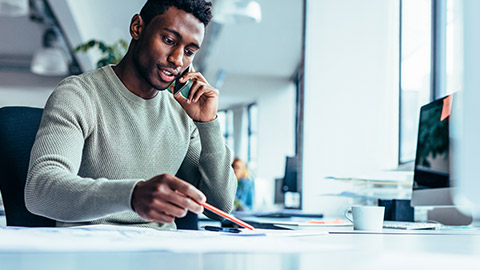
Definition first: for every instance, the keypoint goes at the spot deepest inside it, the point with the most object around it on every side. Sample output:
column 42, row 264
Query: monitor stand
column 475, row 223
column 449, row 216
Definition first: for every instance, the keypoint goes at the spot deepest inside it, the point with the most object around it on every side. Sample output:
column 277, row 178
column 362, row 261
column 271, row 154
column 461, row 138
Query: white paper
column 122, row 238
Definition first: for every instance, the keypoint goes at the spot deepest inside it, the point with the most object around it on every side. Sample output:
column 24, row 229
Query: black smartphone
column 221, row 229
column 183, row 88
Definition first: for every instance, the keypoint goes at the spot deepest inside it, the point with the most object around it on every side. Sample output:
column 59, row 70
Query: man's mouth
column 167, row 75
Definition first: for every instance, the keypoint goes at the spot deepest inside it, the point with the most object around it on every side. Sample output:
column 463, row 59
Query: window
column 431, row 61
column 247, row 136
column 454, row 51
column 225, row 117
column 252, row 133
column 415, row 70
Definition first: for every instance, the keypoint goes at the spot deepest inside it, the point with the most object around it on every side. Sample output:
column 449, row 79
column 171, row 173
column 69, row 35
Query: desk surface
column 345, row 250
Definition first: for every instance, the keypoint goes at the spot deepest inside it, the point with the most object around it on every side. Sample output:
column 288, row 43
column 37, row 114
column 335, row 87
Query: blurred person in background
column 245, row 186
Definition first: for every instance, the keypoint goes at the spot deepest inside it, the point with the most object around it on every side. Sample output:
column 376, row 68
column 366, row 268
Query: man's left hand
column 202, row 101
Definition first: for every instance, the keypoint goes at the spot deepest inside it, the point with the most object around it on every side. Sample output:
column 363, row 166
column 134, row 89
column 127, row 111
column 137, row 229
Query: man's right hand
column 165, row 197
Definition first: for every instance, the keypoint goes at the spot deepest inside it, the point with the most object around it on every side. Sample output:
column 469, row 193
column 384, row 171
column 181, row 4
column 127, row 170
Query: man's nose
column 176, row 57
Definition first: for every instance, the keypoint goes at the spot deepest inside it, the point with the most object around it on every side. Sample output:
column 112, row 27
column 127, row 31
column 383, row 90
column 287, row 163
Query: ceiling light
column 237, row 11
column 50, row 60
column 13, row 7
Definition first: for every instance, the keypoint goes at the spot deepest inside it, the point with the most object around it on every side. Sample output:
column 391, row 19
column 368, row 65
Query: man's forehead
column 183, row 23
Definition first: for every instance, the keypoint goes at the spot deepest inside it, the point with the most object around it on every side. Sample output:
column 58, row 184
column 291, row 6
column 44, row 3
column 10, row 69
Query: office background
column 328, row 81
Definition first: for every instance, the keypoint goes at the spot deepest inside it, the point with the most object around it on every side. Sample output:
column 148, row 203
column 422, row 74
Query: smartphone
column 221, row 229
column 183, row 88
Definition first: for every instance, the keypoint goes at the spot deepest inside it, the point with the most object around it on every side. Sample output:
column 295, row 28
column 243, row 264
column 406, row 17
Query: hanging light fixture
column 50, row 60
column 237, row 11
column 13, row 7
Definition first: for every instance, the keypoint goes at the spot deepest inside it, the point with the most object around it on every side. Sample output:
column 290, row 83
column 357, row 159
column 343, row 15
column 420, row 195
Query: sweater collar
column 117, row 83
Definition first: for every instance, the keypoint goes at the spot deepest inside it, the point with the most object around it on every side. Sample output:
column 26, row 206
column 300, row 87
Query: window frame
column 437, row 61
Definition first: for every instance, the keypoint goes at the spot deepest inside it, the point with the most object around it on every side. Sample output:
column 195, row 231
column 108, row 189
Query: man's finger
column 202, row 90
column 159, row 217
column 180, row 98
column 193, row 89
column 193, row 76
column 169, row 208
column 188, row 203
column 179, row 200
column 187, row 189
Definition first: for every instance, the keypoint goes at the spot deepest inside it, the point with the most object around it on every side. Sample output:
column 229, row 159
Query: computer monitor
column 290, row 180
column 290, row 185
column 432, row 184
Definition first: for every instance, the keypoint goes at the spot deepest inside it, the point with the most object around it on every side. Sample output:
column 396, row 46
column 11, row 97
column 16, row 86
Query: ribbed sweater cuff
column 118, row 194
column 210, row 136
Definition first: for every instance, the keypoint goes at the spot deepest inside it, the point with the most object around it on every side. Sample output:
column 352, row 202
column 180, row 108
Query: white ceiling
column 270, row 50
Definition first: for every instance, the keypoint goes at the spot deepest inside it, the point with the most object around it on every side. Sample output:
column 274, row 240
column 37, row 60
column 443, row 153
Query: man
column 113, row 147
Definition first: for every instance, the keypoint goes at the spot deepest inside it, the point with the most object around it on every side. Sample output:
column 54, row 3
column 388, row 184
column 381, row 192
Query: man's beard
column 144, row 73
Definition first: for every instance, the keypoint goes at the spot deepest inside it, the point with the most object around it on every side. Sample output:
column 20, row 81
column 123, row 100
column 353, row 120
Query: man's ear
column 136, row 26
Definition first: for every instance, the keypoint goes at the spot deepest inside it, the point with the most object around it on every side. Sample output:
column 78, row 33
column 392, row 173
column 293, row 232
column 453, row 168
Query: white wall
column 90, row 26
column 89, row 19
column 275, row 98
column 240, row 132
column 25, row 89
column 351, row 95
column 276, row 131
column 465, row 128
column 276, row 140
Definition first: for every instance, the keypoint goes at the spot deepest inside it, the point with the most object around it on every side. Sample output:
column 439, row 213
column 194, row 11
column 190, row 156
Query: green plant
column 434, row 139
column 111, row 54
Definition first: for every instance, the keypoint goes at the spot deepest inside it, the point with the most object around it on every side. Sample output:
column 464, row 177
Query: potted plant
column 111, row 54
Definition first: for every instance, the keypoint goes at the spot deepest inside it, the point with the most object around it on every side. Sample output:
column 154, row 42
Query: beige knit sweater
column 97, row 140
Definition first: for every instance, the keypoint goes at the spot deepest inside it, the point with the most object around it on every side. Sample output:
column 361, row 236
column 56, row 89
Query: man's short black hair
column 201, row 9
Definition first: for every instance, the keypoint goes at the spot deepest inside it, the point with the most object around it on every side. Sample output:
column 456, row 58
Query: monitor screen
column 432, row 162
column 290, row 182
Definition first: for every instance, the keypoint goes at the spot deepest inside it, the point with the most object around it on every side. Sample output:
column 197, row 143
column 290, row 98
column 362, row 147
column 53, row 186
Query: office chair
column 18, row 128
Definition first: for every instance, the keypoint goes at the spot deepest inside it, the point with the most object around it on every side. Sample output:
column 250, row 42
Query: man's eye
column 168, row 41
column 189, row 52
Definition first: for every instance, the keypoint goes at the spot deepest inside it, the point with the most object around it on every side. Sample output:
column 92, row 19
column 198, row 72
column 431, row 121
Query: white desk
column 332, row 251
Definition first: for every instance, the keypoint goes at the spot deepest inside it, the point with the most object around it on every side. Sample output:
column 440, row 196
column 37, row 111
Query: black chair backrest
column 18, row 128
column 188, row 222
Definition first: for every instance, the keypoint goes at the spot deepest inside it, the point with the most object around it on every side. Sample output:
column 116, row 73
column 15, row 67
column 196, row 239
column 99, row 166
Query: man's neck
column 131, row 78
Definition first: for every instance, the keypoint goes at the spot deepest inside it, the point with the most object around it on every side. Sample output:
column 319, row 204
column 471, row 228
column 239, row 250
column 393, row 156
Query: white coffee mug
column 366, row 218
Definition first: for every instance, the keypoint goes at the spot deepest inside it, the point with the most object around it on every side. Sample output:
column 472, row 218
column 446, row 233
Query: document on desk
column 301, row 223
column 122, row 238
column 316, row 223
column 275, row 233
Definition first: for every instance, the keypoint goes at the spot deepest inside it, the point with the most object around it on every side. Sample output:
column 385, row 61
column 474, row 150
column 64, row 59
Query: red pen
column 225, row 215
